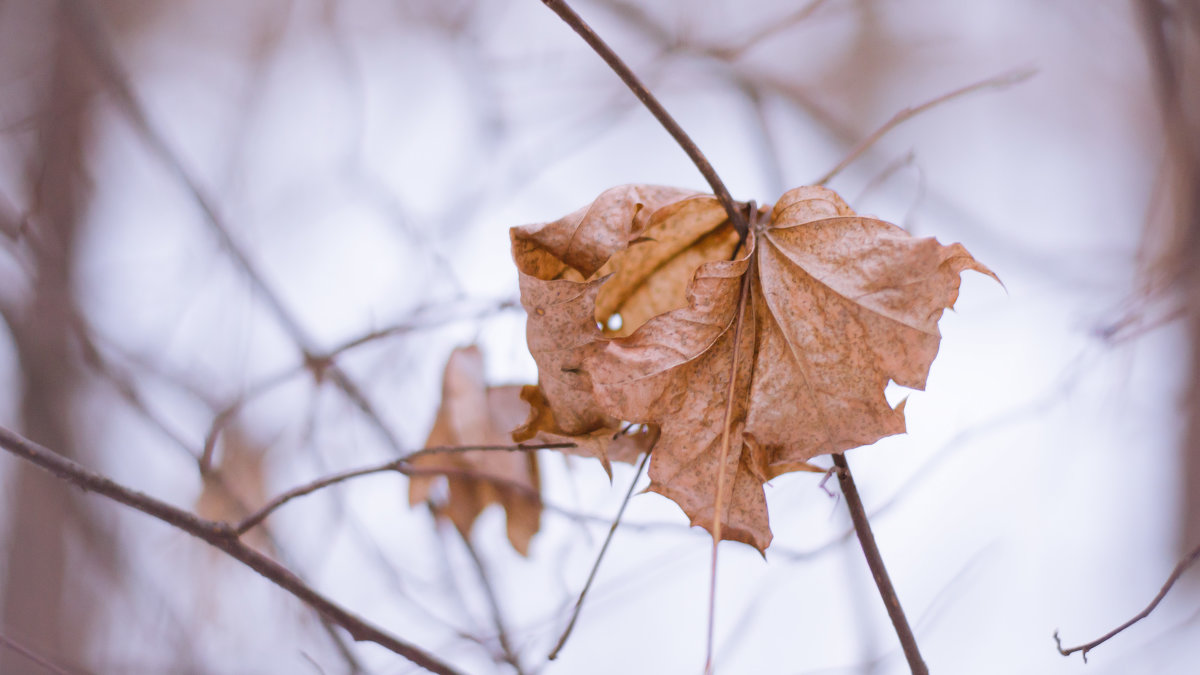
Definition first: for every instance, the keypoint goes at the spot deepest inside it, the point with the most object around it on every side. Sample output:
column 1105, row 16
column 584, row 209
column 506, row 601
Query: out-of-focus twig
column 12, row 226
column 33, row 656
column 418, row 324
column 489, row 592
column 93, row 37
column 1180, row 568
column 997, row 82
column 227, row 413
column 221, row 536
column 771, row 29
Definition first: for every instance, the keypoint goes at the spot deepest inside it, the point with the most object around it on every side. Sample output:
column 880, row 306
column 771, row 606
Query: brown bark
column 45, row 597
column 1173, row 41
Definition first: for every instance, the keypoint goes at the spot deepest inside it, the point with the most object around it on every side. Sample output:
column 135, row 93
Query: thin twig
column 771, row 29
column 999, row 81
column 489, row 593
column 222, row 418
column 95, row 40
column 221, row 536
column 12, row 225
column 563, row 10
column 1180, row 568
column 124, row 385
column 418, row 325
column 875, row 561
column 562, row 640
column 401, row 465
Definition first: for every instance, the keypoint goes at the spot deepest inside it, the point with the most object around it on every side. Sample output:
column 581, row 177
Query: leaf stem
column 719, row 502
column 564, row 11
column 862, row 527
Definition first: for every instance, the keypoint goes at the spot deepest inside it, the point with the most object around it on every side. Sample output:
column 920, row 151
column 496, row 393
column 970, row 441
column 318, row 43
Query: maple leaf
column 474, row 414
column 766, row 352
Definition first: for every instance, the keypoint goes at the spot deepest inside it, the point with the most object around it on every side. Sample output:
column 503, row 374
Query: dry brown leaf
column 237, row 484
column 837, row 305
column 607, row 444
column 474, row 414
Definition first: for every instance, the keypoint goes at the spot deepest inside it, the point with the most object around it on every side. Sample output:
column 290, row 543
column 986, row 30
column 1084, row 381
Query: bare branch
column 1180, row 568
column 221, row 536
column 489, row 593
column 997, row 82
column 596, row 567
column 401, row 465
column 12, row 225
column 417, row 325
column 771, row 29
column 94, row 39
column 875, row 561
column 47, row 664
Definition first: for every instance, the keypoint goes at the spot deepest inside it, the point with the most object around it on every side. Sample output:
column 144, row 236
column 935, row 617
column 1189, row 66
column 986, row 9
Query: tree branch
column 875, row 561
column 33, row 656
column 1180, row 568
column 489, row 593
column 401, row 465
column 564, row 11
column 95, row 41
column 999, row 81
column 221, row 536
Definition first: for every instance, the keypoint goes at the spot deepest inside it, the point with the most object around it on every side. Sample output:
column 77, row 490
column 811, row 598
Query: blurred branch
column 122, row 383
column 769, row 30
column 319, row 363
column 94, row 38
column 218, row 535
column 768, row 147
column 12, row 224
column 875, row 561
column 401, row 465
column 564, row 11
column 91, row 33
column 417, row 325
column 562, row 640
column 637, row 15
column 997, row 82
column 489, row 592
column 1180, row 568
column 33, row 656
column 128, row 390
column 1172, row 31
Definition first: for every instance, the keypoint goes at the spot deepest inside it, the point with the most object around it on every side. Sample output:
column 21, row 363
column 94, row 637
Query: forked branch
column 999, row 81
column 1180, row 568
column 401, row 465
column 221, row 536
